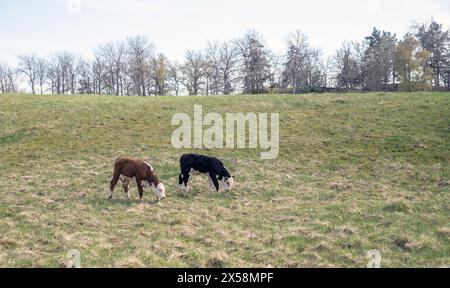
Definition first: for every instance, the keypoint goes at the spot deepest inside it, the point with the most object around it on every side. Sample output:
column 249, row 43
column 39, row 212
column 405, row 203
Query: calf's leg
column 114, row 181
column 213, row 177
column 140, row 189
column 210, row 184
column 183, row 179
column 126, row 188
column 186, row 182
column 180, row 183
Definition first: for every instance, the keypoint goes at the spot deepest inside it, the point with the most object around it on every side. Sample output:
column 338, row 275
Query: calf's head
column 159, row 190
column 228, row 183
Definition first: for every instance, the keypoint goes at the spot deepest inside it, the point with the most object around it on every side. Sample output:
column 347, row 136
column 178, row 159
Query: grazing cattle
column 192, row 163
column 127, row 169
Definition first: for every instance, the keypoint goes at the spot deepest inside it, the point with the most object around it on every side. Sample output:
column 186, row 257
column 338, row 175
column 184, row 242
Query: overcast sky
column 46, row 26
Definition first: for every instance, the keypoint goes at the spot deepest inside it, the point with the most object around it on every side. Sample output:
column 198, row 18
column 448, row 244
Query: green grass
column 356, row 172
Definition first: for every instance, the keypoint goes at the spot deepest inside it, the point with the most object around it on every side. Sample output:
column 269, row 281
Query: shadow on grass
column 222, row 195
column 201, row 194
column 15, row 137
column 116, row 202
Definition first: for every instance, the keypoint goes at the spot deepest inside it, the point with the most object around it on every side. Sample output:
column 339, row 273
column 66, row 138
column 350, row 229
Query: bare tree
column 42, row 73
column 227, row 67
column 314, row 77
column 303, row 68
column 28, row 65
column 193, row 71
column 347, row 67
column 447, row 71
column 98, row 68
column 211, row 68
column 139, row 55
column 255, row 67
column 328, row 73
column 208, row 76
column 113, row 55
column 72, row 72
column 175, row 77
column 298, row 49
column 54, row 75
column 86, row 79
column 67, row 72
column 8, row 79
column 275, row 72
column 62, row 73
column 2, row 78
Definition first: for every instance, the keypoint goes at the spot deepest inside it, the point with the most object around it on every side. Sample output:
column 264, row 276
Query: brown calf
column 127, row 169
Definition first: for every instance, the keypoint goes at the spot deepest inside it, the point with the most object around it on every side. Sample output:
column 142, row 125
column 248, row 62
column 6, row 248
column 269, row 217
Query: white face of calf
column 159, row 190
column 228, row 183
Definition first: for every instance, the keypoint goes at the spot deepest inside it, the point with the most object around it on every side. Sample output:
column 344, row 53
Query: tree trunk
column 438, row 79
column 448, row 80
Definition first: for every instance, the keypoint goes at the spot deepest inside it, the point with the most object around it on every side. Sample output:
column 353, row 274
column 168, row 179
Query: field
column 355, row 172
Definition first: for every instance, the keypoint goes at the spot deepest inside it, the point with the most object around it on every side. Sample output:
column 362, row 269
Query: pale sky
column 47, row 26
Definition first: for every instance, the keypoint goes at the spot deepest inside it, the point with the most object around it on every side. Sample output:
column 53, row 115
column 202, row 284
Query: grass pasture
column 355, row 172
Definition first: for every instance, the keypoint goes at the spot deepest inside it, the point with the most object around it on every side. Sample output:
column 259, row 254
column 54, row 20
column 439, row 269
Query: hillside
column 355, row 172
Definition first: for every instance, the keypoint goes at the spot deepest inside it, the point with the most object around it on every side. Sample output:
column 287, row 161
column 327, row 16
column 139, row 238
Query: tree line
column 420, row 61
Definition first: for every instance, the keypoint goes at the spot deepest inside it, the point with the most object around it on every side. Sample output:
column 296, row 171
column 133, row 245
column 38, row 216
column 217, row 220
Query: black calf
column 192, row 163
